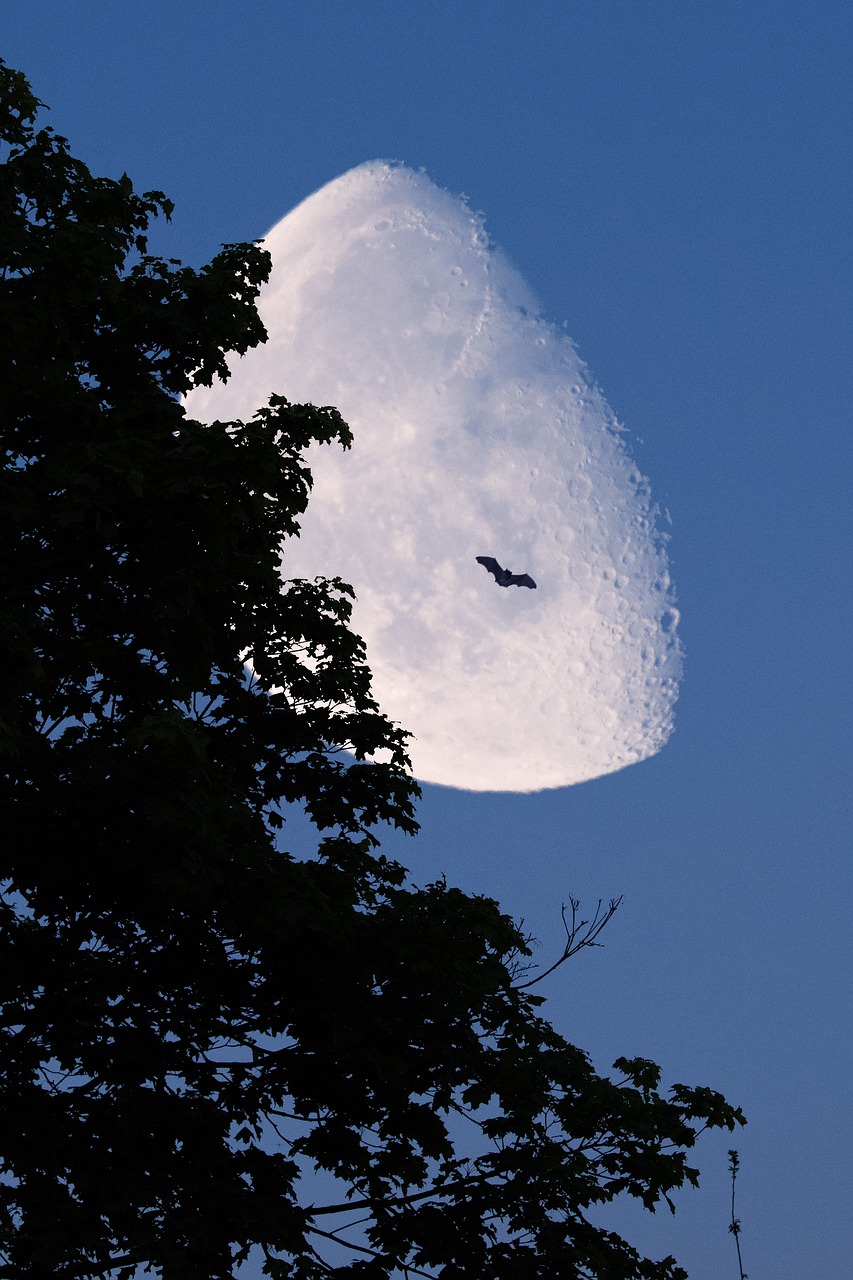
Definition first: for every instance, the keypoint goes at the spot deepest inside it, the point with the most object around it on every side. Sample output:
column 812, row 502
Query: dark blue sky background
column 674, row 181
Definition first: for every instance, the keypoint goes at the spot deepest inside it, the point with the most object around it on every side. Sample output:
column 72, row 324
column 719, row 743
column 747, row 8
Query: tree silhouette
column 195, row 1022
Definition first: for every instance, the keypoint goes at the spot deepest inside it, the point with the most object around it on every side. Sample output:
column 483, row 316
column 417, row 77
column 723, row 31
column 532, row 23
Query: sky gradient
column 674, row 183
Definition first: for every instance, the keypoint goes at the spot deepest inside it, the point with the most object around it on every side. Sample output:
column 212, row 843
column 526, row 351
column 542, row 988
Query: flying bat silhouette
column 505, row 577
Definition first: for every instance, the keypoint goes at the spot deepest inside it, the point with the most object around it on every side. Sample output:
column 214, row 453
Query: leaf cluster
column 194, row 1021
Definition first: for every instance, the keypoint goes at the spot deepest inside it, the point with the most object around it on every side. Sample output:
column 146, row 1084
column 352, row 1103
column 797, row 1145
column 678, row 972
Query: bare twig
column 579, row 934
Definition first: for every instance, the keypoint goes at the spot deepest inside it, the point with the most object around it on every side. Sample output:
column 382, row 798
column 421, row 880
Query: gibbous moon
column 478, row 431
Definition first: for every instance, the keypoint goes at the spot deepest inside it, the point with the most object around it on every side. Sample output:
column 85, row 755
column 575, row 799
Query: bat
column 505, row 577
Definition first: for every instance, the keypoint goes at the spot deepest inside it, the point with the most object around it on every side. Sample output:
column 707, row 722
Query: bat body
column 505, row 577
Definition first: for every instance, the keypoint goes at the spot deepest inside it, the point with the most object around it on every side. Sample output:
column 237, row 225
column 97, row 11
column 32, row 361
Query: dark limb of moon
column 505, row 577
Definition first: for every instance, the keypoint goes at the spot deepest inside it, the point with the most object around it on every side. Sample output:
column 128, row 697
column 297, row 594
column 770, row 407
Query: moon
column 477, row 431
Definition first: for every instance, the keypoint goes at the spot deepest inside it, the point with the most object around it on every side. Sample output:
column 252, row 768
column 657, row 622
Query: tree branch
column 398, row 1200
column 371, row 1253
column 576, row 938
column 734, row 1225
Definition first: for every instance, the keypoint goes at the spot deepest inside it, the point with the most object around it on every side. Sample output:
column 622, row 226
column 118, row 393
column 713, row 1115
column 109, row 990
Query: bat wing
column 490, row 563
column 522, row 580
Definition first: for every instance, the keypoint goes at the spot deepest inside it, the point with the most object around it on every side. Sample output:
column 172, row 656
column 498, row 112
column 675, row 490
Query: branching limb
column 579, row 933
column 371, row 1253
column 315, row 1211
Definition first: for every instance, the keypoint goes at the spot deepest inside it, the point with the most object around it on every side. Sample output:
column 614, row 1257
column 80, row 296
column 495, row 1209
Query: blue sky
column 674, row 181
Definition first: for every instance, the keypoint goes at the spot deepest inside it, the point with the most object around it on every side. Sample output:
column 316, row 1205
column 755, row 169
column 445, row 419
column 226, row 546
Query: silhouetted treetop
column 212, row 1048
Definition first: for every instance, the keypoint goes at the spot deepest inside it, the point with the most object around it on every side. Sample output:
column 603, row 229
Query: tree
column 194, row 1021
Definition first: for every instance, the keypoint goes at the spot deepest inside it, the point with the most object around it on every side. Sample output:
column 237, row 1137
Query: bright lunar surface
column 478, row 431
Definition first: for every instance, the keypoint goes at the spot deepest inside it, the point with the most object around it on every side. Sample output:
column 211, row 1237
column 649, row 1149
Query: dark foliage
column 194, row 1022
